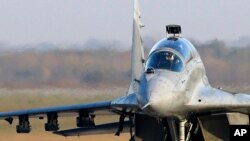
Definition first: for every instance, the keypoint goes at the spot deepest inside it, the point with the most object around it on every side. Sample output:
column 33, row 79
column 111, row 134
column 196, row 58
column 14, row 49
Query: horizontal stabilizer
column 108, row 128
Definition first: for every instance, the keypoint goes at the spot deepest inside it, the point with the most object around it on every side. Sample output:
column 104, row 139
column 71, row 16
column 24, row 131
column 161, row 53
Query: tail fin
column 137, row 56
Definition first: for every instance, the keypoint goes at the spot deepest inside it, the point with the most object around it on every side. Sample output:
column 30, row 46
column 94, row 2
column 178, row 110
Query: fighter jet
column 169, row 98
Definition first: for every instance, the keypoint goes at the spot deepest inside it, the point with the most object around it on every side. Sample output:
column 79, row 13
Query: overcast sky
column 76, row 21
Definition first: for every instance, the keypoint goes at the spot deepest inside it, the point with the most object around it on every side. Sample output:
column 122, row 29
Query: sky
column 77, row 21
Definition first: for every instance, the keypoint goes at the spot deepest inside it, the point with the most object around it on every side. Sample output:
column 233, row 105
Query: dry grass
column 49, row 137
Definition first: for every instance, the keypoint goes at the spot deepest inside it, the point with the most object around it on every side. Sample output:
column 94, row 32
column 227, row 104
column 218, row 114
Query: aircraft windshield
column 165, row 60
column 182, row 46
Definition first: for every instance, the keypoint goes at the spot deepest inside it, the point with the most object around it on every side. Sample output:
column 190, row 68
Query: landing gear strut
column 184, row 135
column 121, row 124
column 182, row 130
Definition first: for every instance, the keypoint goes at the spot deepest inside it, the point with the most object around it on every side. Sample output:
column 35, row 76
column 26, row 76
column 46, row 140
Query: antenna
column 173, row 31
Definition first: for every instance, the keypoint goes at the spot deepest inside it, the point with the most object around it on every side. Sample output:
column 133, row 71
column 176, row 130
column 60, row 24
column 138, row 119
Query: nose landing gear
column 182, row 130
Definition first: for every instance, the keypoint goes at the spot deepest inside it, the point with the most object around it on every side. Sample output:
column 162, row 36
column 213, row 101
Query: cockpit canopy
column 165, row 60
column 170, row 54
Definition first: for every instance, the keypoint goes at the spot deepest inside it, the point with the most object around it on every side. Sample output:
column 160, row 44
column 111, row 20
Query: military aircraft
column 169, row 98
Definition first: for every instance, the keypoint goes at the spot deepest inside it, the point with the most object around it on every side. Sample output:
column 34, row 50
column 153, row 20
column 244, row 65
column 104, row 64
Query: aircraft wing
column 211, row 100
column 126, row 102
column 123, row 106
column 69, row 109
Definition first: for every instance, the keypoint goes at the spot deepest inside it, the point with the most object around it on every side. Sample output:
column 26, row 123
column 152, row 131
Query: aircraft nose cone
column 159, row 94
column 159, row 90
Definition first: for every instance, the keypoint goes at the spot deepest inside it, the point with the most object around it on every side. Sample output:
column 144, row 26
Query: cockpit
column 170, row 54
column 163, row 59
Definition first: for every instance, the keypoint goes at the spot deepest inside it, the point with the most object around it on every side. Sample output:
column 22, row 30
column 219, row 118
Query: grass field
column 31, row 98
column 49, row 137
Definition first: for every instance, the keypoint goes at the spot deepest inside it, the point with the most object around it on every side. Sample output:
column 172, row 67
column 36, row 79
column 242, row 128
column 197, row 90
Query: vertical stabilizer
column 137, row 55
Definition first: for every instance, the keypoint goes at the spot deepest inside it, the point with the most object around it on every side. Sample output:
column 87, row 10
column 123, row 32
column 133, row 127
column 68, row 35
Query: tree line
column 110, row 67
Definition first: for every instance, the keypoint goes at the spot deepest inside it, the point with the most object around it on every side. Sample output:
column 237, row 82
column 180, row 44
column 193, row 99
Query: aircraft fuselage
column 174, row 74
